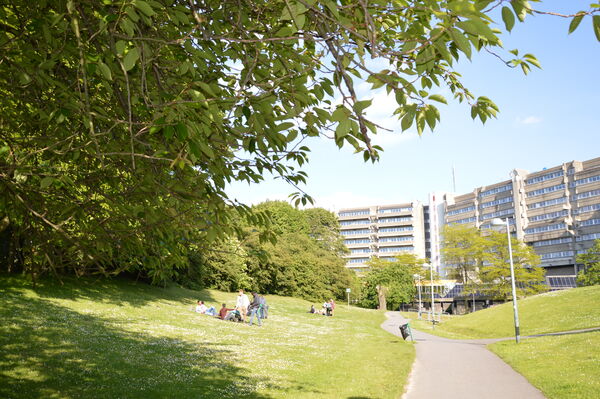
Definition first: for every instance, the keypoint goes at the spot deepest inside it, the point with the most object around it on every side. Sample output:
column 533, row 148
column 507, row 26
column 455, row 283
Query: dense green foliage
column 565, row 310
column 98, row 338
column 122, row 121
column 305, row 261
column 481, row 260
column 590, row 275
column 388, row 284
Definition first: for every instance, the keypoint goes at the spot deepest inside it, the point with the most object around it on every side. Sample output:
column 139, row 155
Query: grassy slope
column 119, row 339
column 563, row 367
column 554, row 311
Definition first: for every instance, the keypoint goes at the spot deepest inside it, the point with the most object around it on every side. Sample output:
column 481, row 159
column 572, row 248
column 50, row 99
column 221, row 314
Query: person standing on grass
column 242, row 304
column 332, row 304
column 256, row 308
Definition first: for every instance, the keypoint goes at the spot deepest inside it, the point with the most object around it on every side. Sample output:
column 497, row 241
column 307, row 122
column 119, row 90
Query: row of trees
column 305, row 260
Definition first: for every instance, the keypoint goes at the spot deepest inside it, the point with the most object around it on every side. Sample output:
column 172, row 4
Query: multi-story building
column 555, row 210
column 382, row 231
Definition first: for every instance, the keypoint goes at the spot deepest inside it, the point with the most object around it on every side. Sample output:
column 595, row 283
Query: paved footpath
column 459, row 369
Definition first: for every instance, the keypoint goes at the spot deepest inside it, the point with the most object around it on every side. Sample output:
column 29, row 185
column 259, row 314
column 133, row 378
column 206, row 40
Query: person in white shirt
column 242, row 304
column 201, row 307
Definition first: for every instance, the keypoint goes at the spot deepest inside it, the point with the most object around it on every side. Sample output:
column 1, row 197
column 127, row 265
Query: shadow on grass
column 51, row 351
column 117, row 291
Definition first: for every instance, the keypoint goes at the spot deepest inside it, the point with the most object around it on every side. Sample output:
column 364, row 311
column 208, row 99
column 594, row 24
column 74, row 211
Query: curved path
column 448, row 368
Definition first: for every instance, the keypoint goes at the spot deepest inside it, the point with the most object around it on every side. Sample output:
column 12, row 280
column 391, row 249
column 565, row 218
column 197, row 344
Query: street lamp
column 418, row 277
column 500, row 222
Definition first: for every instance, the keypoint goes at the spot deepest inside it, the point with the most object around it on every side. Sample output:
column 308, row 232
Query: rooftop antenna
column 453, row 180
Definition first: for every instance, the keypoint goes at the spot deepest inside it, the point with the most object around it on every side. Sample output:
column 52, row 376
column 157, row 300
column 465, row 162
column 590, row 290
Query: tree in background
column 495, row 274
column 389, row 283
column 590, row 275
column 122, row 121
column 463, row 250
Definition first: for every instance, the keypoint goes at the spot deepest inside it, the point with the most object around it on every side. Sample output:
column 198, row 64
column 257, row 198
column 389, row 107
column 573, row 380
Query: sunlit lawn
column 550, row 312
column 563, row 367
column 119, row 339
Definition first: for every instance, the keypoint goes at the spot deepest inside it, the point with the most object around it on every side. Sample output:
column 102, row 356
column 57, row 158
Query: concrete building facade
column 382, row 232
column 555, row 210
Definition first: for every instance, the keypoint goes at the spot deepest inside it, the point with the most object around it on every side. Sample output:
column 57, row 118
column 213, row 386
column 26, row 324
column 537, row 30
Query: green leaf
column 359, row 106
column 407, row 121
column 46, row 181
column 131, row 58
column 508, row 18
column 521, row 7
column 339, row 115
column 461, row 42
column 530, row 58
column 575, row 22
column 596, row 24
column 144, row 7
column 104, row 70
column 438, row 98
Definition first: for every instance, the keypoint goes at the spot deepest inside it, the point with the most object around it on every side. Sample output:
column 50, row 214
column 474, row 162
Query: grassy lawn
column 550, row 312
column 564, row 367
column 108, row 339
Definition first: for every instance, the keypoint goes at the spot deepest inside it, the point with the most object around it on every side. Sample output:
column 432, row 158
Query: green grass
column 562, row 367
column 550, row 312
column 108, row 339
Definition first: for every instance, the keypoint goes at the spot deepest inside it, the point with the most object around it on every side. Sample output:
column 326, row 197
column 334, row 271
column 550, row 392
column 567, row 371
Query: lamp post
column 500, row 222
column 418, row 277
column 432, row 301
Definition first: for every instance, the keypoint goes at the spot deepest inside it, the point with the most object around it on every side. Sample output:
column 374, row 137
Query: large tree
column 122, row 121
column 463, row 251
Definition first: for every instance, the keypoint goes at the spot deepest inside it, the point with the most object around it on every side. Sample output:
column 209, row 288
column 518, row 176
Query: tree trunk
column 381, row 297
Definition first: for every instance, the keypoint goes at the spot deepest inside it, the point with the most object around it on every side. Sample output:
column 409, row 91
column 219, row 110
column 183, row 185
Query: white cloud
column 530, row 120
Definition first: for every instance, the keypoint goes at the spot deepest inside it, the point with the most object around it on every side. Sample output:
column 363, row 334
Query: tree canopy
column 122, row 121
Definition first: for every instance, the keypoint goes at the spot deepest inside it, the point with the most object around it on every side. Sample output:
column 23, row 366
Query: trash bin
column 404, row 330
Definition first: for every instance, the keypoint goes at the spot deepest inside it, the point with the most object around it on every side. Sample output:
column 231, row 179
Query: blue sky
column 546, row 118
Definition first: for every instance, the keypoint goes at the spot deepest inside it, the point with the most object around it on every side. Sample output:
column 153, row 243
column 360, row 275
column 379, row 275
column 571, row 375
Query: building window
column 358, row 260
column 496, row 190
column 589, row 222
column 545, row 177
column 395, row 229
column 355, row 213
column 551, row 215
column 459, row 211
column 351, row 222
column 394, row 220
column 492, row 215
column 360, row 251
column 395, row 210
column 564, row 240
column 396, row 249
column 561, row 254
column 550, row 227
column 354, row 232
column 588, row 237
column 393, row 239
column 587, row 194
column 542, row 204
column 545, row 190
column 504, row 200
column 587, row 180
column 461, row 221
column 584, row 209
column 357, row 241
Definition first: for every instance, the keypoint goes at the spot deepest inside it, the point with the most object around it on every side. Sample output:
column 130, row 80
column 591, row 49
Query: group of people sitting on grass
column 327, row 310
column 243, row 307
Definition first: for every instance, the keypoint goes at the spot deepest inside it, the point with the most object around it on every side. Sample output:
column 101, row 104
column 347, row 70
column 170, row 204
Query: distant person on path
column 332, row 304
column 242, row 304
column 223, row 312
column 256, row 308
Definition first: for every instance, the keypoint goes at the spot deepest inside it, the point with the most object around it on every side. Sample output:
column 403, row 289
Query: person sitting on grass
column 201, row 307
column 312, row 309
column 223, row 312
